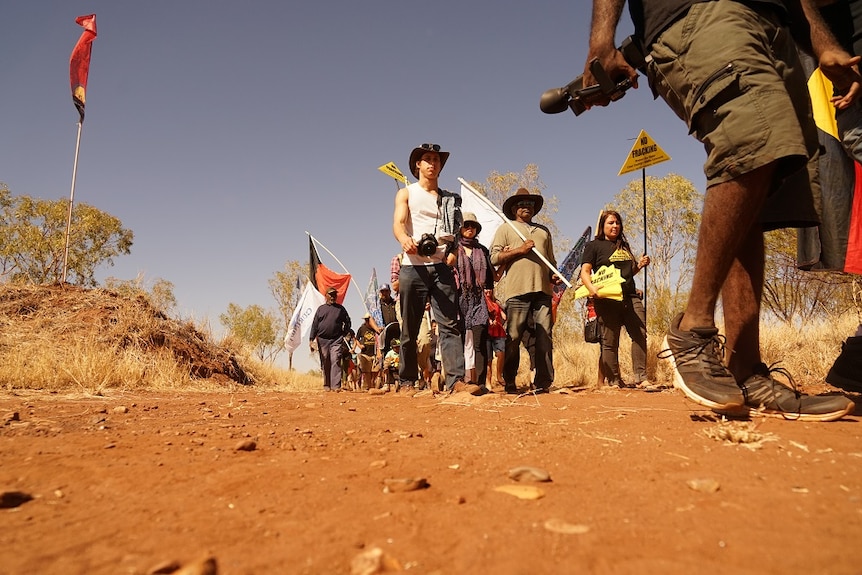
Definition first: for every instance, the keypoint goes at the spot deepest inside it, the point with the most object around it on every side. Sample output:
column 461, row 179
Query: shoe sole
column 679, row 383
column 746, row 412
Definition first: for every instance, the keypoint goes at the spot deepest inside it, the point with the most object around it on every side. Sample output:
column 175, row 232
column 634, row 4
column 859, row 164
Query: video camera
column 575, row 96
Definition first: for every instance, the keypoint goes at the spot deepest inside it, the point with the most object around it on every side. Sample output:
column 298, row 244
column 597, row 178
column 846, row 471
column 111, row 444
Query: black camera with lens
column 427, row 245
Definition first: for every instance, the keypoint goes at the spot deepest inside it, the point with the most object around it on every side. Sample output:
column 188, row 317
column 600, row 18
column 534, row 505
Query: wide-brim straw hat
column 522, row 194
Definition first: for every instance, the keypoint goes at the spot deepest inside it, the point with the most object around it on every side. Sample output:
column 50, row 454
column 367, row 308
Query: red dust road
column 294, row 483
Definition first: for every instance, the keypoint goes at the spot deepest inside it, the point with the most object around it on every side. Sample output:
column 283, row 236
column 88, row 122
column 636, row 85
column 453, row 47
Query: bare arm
column 815, row 37
column 507, row 255
column 606, row 16
column 586, row 278
column 399, row 223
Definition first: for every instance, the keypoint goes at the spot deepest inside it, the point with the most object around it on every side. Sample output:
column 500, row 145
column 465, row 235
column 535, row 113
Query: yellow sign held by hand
column 608, row 283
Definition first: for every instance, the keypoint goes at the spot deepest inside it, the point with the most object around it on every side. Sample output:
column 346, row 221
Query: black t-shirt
column 367, row 338
column 651, row 21
column 600, row 253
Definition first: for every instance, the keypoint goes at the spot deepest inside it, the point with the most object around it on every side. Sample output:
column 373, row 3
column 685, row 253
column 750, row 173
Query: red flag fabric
column 324, row 278
column 853, row 259
column 79, row 63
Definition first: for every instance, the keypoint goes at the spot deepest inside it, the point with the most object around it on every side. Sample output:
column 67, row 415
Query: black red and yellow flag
column 79, row 63
column 837, row 243
column 324, row 278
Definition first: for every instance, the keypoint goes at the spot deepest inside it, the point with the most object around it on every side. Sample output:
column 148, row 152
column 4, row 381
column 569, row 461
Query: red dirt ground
column 147, row 482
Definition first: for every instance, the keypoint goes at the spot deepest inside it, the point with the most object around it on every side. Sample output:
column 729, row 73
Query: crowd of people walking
column 460, row 311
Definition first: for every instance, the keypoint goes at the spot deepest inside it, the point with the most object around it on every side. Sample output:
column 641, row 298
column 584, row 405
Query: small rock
column 10, row 417
column 704, row 485
column 121, row 409
column 532, row 474
column 404, row 485
column 560, row 526
column 10, row 499
column 205, row 566
column 246, row 445
column 521, row 491
column 373, row 561
column 378, row 464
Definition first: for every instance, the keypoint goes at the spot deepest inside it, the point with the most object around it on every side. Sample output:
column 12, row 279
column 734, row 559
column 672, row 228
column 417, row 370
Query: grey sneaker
column 766, row 396
column 699, row 373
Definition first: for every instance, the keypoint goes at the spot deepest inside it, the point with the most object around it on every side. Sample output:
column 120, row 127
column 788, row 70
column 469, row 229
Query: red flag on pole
column 79, row 63
column 324, row 278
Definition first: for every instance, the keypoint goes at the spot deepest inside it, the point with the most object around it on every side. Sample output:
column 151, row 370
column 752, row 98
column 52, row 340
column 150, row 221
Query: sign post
column 643, row 154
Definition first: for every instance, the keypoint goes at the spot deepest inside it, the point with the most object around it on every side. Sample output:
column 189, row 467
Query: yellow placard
column 608, row 283
column 643, row 154
column 392, row 171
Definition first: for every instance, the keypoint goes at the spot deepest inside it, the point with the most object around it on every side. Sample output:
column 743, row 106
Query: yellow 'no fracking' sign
column 392, row 171
column 644, row 153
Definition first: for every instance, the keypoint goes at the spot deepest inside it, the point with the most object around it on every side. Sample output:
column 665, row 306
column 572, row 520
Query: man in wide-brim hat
column 419, row 151
column 522, row 198
column 425, row 275
column 529, row 283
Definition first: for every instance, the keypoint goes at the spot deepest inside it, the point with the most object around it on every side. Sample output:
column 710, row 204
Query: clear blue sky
column 219, row 132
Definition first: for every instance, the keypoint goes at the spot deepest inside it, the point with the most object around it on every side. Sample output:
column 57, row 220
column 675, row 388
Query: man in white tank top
column 424, row 274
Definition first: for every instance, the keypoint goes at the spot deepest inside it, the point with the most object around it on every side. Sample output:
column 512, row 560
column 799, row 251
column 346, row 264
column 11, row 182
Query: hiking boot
column 406, row 391
column 699, row 373
column 846, row 372
column 510, row 388
column 470, row 388
column 766, row 396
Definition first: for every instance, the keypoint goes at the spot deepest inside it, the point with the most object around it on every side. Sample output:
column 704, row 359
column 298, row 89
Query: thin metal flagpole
column 646, row 251
column 71, row 203
column 352, row 279
column 517, row 231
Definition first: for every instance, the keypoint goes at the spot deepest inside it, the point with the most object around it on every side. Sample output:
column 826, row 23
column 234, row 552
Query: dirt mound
column 63, row 313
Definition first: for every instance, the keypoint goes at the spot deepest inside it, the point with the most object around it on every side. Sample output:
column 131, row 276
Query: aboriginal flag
column 837, row 243
column 79, row 63
column 324, row 278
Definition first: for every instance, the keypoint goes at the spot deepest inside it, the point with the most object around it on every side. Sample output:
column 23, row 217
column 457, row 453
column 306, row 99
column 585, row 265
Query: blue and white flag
column 372, row 302
column 303, row 315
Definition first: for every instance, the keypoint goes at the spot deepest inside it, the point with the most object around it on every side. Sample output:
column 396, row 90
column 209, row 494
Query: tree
column 673, row 217
column 791, row 294
column 33, row 234
column 286, row 289
column 255, row 327
column 6, row 261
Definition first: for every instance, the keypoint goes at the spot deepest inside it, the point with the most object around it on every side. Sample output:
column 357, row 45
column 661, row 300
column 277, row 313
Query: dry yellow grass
column 807, row 352
column 64, row 338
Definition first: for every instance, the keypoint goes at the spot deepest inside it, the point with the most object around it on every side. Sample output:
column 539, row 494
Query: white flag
column 303, row 315
column 485, row 214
